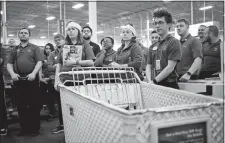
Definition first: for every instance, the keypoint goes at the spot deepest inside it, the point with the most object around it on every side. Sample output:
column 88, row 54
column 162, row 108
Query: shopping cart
column 112, row 105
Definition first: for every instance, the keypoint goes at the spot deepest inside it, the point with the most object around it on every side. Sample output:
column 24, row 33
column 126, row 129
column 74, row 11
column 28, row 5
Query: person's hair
column 79, row 38
column 214, row 29
column 88, row 28
column 163, row 13
column 26, row 29
column 59, row 36
column 202, row 26
column 51, row 48
column 133, row 39
column 154, row 31
column 186, row 22
column 112, row 40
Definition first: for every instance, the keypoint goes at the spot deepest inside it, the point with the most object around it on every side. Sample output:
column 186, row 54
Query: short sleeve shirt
column 211, row 56
column 95, row 47
column 87, row 54
column 162, row 52
column 24, row 59
column 191, row 48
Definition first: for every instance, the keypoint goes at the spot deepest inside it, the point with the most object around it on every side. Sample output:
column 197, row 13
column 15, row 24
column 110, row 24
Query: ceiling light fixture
column 206, row 7
column 88, row 22
column 42, row 37
column 1, row 12
column 50, row 18
column 77, row 6
column 11, row 35
column 31, row 26
column 100, row 32
column 55, row 33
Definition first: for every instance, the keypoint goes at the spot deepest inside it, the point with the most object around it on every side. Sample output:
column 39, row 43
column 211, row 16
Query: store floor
column 45, row 136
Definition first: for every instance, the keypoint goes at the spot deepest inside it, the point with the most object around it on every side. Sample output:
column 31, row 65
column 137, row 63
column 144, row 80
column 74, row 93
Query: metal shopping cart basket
column 112, row 105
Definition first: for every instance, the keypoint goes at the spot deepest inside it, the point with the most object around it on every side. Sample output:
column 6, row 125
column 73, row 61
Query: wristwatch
column 188, row 73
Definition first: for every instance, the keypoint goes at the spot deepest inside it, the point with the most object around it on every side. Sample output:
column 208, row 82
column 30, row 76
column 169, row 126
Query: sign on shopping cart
column 189, row 131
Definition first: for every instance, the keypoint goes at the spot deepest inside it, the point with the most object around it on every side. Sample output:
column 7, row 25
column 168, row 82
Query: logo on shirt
column 155, row 48
column 184, row 46
column 28, row 50
column 215, row 49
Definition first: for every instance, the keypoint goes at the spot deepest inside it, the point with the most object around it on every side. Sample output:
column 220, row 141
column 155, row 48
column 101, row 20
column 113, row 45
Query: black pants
column 169, row 84
column 3, row 115
column 28, row 105
column 58, row 100
column 48, row 96
column 207, row 74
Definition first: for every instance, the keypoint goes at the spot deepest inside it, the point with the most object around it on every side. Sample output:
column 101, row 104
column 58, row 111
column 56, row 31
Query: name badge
column 157, row 65
column 155, row 48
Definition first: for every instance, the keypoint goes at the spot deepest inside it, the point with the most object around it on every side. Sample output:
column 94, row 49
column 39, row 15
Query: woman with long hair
column 46, row 88
column 73, row 37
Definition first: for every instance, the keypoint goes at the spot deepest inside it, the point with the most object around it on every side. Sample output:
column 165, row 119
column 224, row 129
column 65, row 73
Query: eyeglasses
column 86, row 31
column 201, row 30
column 159, row 23
column 106, row 41
column 156, row 37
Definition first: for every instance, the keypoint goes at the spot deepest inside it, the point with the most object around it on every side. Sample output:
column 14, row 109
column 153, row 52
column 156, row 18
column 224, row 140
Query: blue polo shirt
column 164, row 50
column 191, row 48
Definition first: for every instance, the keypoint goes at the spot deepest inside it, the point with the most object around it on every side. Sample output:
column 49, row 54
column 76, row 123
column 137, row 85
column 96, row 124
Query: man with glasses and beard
column 87, row 33
column 24, row 63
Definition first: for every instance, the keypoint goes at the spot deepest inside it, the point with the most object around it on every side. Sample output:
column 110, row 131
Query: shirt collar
column 110, row 52
column 28, row 44
column 168, row 36
column 185, row 39
column 218, row 42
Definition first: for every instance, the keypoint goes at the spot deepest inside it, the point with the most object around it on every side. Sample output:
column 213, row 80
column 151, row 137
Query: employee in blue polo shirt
column 23, row 65
column 164, row 54
column 191, row 49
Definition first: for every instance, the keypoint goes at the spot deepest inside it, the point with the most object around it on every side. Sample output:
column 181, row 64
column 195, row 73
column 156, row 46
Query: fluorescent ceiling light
column 1, row 12
column 117, row 27
column 55, row 33
column 77, row 6
column 31, row 26
column 205, row 8
column 143, row 36
column 11, row 35
column 88, row 22
column 100, row 32
column 42, row 37
column 50, row 18
column 122, row 26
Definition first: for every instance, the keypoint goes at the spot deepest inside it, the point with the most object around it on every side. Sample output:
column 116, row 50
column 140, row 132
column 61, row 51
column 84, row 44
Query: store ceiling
column 109, row 15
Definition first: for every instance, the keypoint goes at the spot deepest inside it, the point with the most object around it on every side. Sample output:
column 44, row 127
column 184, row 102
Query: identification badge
column 155, row 48
column 157, row 65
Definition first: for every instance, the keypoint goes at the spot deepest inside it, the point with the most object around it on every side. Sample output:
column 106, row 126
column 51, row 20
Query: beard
column 24, row 40
column 87, row 38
